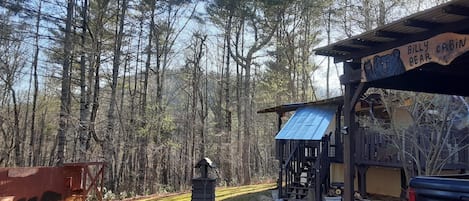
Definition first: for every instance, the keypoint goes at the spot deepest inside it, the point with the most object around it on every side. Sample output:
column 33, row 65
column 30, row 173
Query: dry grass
column 241, row 193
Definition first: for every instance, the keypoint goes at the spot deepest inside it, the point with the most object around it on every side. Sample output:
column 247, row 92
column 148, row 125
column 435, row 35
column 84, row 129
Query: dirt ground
column 382, row 198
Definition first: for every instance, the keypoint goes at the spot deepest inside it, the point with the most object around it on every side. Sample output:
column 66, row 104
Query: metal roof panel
column 308, row 123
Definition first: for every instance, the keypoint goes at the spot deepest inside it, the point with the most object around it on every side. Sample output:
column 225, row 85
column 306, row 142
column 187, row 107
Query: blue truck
column 439, row 188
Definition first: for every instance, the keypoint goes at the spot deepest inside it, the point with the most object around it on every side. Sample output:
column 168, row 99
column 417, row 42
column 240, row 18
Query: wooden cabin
column 387, row 58
column 310, row 153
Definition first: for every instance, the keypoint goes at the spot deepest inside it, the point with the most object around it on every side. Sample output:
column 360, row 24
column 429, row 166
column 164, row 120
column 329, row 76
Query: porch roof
column 336, row 101
column 449, row 17
column 308, row 123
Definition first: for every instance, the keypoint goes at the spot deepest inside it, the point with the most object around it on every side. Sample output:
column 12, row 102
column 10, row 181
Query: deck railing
column 384, row 150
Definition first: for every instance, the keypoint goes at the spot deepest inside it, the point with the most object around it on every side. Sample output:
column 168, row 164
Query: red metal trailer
column 72, row 181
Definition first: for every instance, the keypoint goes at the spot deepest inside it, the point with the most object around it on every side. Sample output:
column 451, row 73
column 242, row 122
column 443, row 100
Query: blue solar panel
column 308, row 123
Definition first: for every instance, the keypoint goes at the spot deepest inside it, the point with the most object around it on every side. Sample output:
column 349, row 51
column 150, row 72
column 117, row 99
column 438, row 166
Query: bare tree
column 263, row 27
column 33, row 150
column 11, row 63
column 97, row 39
column 157, row 114
column 425, row 129
column 84, row 94
column 109, row 151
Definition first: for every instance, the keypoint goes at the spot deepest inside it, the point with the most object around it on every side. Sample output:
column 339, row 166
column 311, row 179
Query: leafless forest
column 152, row 86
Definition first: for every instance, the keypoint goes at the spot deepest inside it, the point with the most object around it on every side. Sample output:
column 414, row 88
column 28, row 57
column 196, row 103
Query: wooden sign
column 441, row 49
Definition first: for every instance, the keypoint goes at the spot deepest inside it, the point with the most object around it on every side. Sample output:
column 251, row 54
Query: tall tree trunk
column 40, row 147
column 109, row 151
column 143, row 139
column 19, row 160
column 197, row 94
column 187, row 150
column 125, row 134
column 239, row 92
column 33, row 149
column 218, row 112
column 193, row 109
column 94, row 76
column 247, row 98
column 247, row 102
column 226, row 83
column 367, row 14
column 24, row 131
column 65, row 93
column 382, row 13
column 84, row 104
column 131, row 172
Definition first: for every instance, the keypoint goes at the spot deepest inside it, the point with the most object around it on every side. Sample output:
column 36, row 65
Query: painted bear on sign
column 384, row 66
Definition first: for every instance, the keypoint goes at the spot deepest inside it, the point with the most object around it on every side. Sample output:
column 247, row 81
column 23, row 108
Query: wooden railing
column 379, row 150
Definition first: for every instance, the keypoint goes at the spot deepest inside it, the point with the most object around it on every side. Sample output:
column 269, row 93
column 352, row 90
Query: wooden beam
column 367, row 43
column 279, row 118
column 344, row 48
column 360, row 88
column 349, row 160
column 362, row 169
column 330, row 52
column 281, row 145
column 421, row 23
column 390, row 34
column 352, row 92
column 447, row 27
column 354, row 76
column 338, row 143
column 456, row 10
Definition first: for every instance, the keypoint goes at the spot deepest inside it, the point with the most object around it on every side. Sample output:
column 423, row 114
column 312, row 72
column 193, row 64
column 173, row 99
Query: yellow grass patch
column 220, row 193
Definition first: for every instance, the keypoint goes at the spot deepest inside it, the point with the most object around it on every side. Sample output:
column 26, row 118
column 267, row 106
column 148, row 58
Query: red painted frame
column 72, row 181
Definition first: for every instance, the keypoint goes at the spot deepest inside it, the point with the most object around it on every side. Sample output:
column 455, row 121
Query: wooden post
column 403, row 184
column 279, row 126
column 362, row 169
column 349, row 161
column 281, row 145
column 353, row 90
column 339, row 156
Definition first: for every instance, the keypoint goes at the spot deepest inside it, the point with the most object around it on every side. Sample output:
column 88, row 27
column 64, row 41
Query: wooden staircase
column 305, row 171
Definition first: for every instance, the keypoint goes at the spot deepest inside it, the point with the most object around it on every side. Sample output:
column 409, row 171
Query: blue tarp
column 308, row 123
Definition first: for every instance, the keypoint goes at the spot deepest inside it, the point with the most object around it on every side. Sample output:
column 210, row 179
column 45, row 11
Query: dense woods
column 152, row 86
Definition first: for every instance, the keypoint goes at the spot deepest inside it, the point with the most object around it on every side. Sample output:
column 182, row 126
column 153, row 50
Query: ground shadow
column 258, row 196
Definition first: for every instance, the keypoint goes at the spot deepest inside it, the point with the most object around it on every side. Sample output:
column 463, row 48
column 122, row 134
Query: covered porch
column 425, row 52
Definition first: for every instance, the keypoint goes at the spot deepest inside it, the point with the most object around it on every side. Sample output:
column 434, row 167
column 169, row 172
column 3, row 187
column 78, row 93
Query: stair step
column 298, row 193
column 302, row 176
column 297, row 183
column 297, row 196
column 301, row 185
column 299, row 188
column 310, row 185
